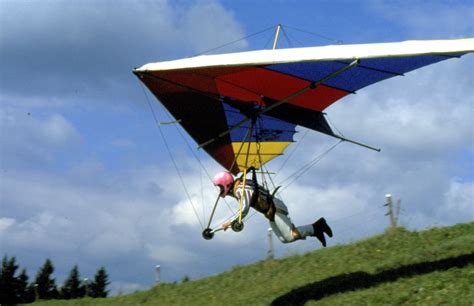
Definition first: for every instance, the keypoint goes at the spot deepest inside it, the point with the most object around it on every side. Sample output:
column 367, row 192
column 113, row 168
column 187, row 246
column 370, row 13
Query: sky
column 85, row 176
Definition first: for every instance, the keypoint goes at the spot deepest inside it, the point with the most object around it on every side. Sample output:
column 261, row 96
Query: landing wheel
column 237, row 226
column 207, row 234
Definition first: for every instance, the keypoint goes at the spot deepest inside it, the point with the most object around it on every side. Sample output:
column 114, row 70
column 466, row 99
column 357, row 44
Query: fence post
column 392, row 213
column 157, row 274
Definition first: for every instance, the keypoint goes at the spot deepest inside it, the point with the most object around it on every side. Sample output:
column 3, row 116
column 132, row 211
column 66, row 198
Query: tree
column 73, row 287
column 8, row 281
column 45, row 285
column 98, row 287
column 13, row 289
column 25, row 293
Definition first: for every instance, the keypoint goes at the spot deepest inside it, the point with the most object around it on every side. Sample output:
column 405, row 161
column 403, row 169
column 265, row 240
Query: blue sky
column 85, row 176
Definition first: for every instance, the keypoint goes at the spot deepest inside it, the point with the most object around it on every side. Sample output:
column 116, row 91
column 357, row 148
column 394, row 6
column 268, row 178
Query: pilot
column 272, row 208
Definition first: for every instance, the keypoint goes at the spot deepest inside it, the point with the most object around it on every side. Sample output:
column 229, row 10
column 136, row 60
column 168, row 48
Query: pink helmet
column 224, row 180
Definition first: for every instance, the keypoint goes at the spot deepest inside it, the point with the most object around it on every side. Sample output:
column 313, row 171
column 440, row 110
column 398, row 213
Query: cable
column 269, row 41
column 193, row 152
column 291, row 153
column 247, row 135
column 171, row 156
column 308, row 166
column 202, row 195
column 337, row 41
column 233, row 42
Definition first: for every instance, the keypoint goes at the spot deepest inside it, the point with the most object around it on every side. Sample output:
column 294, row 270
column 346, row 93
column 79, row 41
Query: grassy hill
column 399, row 267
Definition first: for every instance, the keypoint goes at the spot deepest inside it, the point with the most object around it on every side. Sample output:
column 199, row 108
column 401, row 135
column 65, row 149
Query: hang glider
column 243, row 108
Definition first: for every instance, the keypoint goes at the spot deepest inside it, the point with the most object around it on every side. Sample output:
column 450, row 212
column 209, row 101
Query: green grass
column 433, row 267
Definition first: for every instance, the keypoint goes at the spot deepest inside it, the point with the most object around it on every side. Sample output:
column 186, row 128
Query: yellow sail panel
column 258, row 154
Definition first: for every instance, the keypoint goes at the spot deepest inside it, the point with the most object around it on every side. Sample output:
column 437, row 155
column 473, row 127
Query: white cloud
column 458, row 204
column 78, row 52
column 5, row 223
column 56, row 130
column 308, row 202
column 413, row 113
column 439, row 19
column 170, row 254
column 200, row 21
column 183, row 213
column 43, row 230
column 28, row 136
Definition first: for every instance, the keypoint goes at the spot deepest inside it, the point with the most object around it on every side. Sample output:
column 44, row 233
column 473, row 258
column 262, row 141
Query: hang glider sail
column 243, row 108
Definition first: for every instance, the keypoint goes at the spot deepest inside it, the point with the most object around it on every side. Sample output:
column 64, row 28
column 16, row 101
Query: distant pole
column 389, row 204
column 157, row 273
column 86, row 286
column 36, row 292
column 393, row 214
column 270, row 244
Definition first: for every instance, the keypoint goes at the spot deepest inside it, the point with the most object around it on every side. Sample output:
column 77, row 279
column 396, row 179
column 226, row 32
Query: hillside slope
column 399, row 267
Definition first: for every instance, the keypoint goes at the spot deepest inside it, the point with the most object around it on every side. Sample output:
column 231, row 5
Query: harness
column 261, row 200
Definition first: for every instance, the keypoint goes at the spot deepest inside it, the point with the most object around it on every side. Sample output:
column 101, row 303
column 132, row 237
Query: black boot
column 318, row 233
column 322, row 226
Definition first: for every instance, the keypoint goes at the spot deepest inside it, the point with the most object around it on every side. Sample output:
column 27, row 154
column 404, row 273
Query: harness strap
column 281, row 211
column 274, row 192
column 256, row 192
column 256, row 196
column 273, row 209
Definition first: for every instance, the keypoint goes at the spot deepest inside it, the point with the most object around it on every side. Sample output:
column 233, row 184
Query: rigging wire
column 202, row 194
column 193, row 153
column 171, row 157
column 290, row 44
column 247, row 135
column 337, row 41
column 269, row 177
column 308, row 166
column 270, row 38
column 291, row 153
column 260, row 127
column 235, row 41
column 293, row 39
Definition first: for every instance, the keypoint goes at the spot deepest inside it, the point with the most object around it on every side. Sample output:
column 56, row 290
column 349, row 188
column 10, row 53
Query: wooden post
column 392, row 213
column 389, row 203
column 157, row 274
column 36, row 292
column 86, row 287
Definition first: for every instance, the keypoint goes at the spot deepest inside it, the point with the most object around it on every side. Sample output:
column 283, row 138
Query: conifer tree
column 46, row 286
column 98, row 287
column 13, row 289
column 8, row 281
column 25, row 293
column 73, row 287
